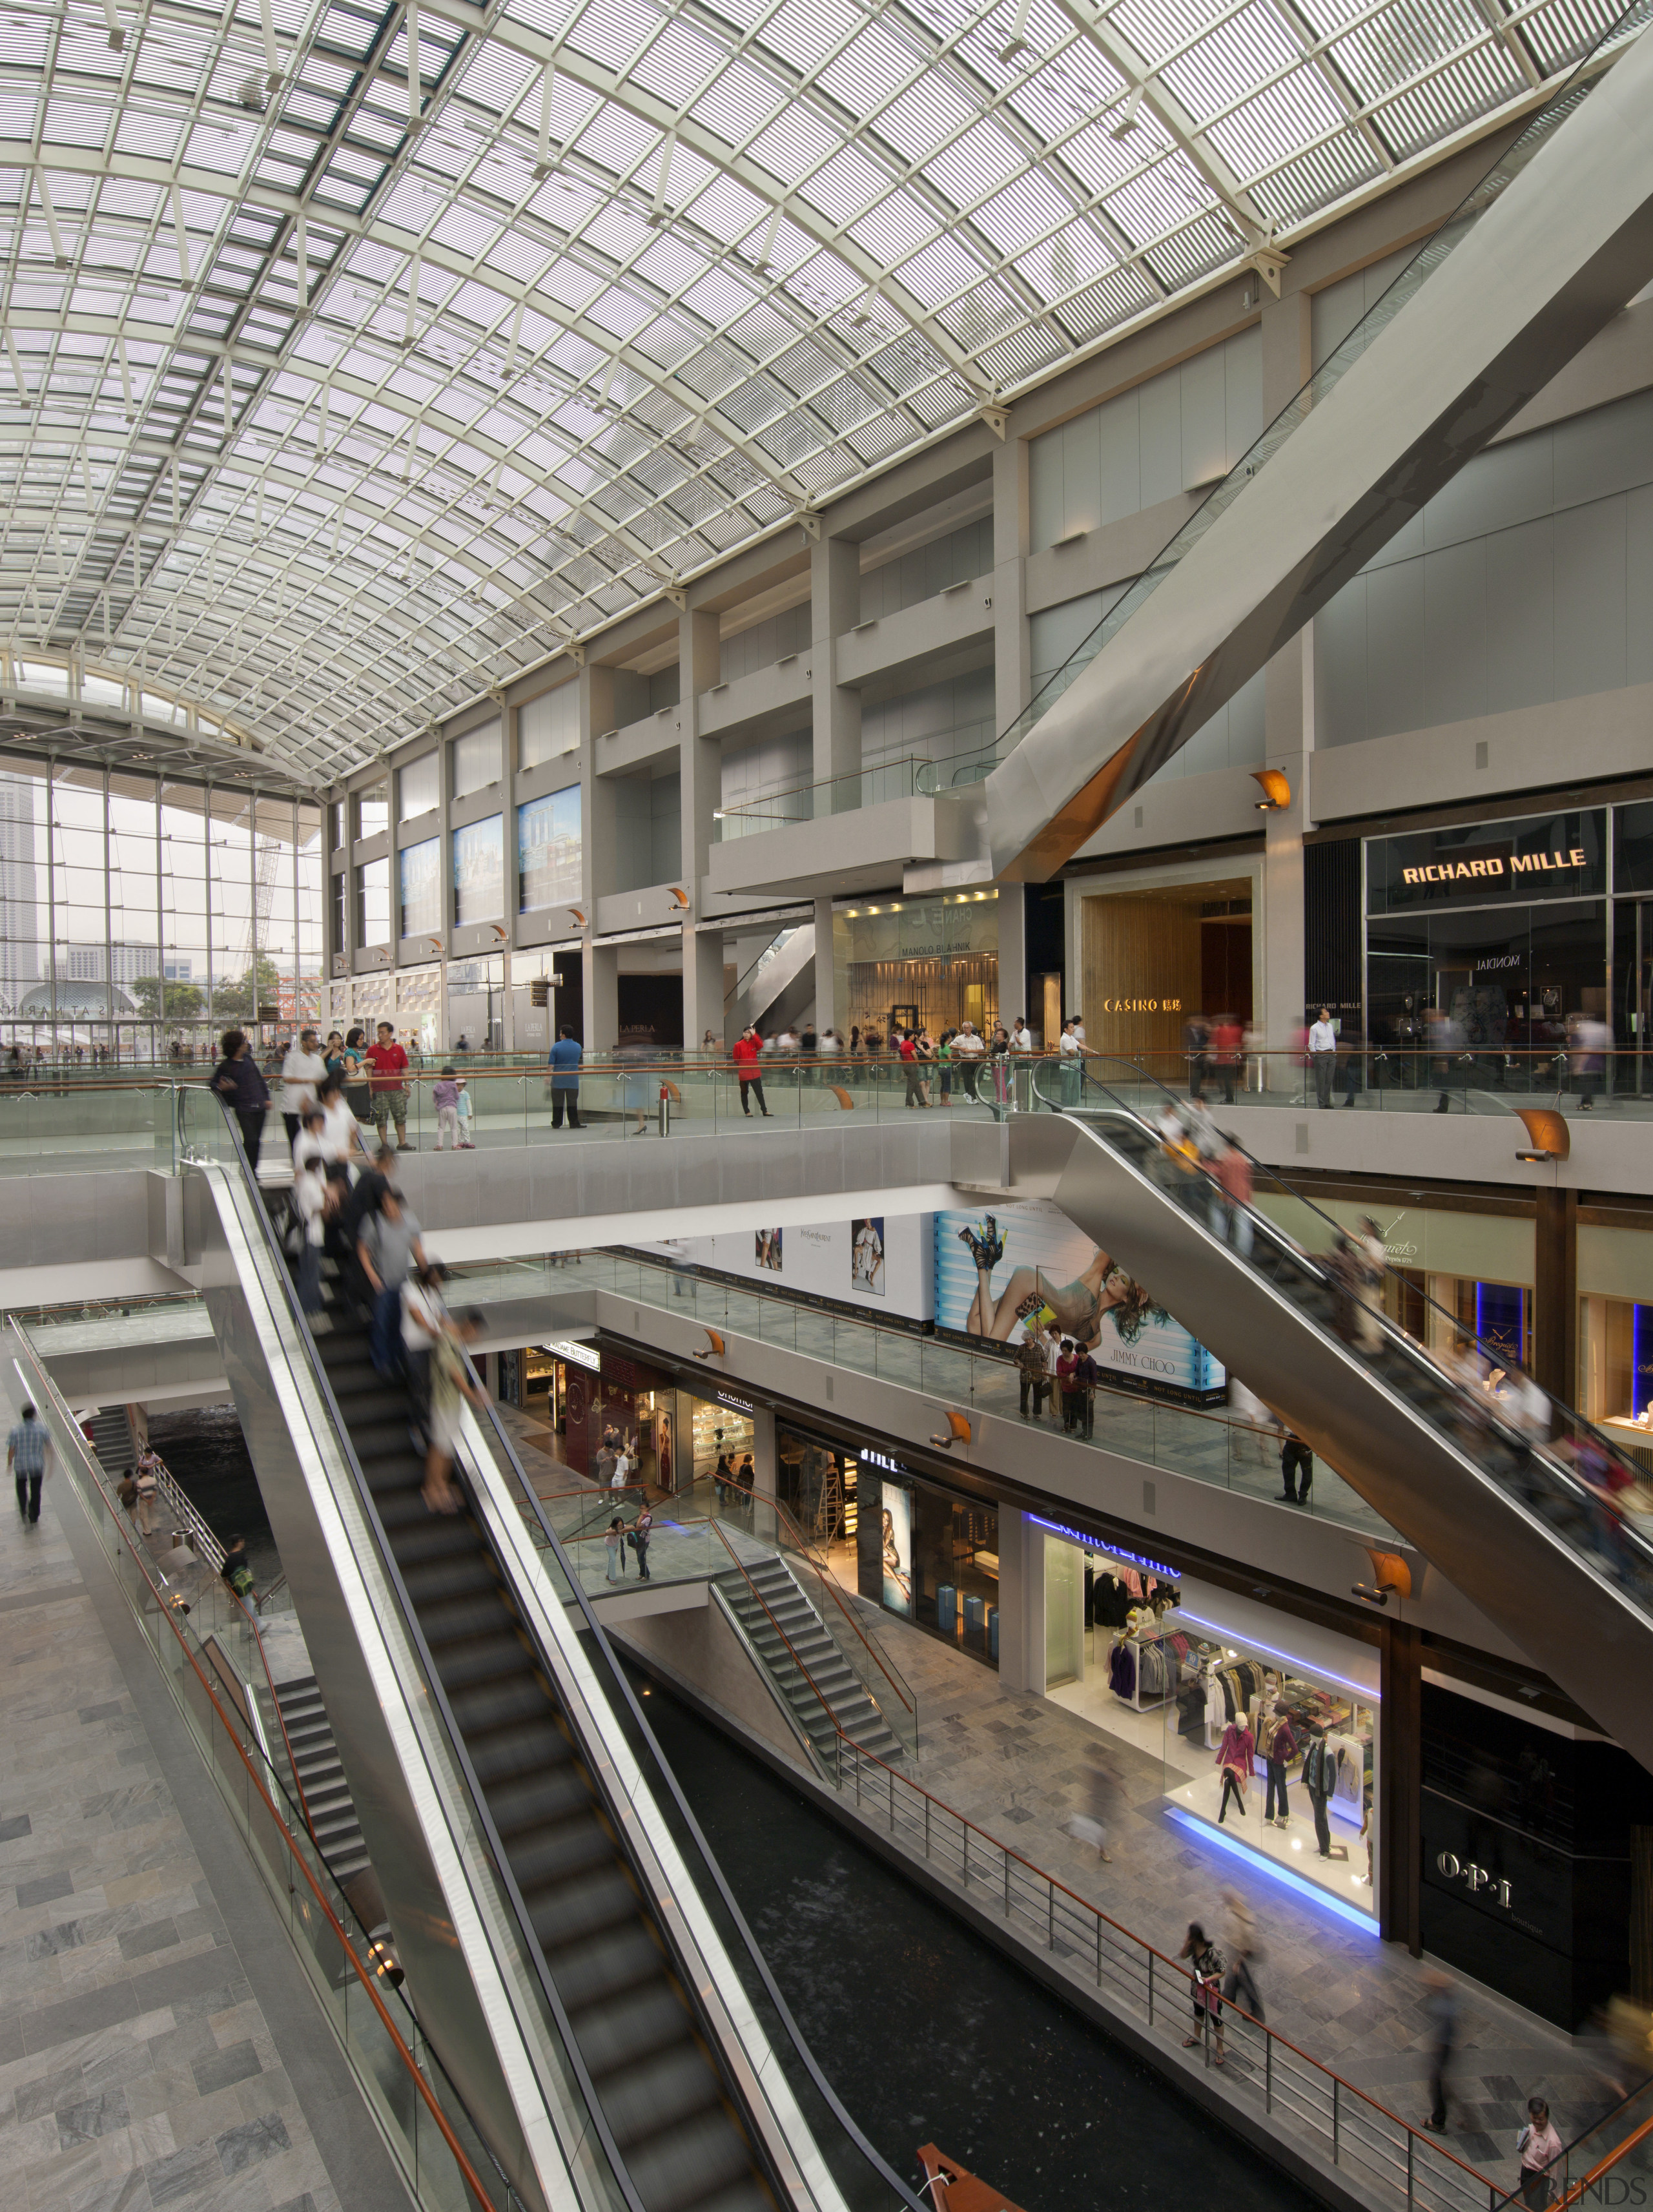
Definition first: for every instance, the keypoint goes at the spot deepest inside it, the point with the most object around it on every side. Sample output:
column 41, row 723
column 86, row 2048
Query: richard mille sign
column 1497, row 867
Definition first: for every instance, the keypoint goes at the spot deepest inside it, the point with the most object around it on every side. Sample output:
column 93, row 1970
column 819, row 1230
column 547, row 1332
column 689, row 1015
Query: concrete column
column 701, row 765
column 1289, row 740
column 599, row 964
column 826, row 1004
column 834, row 608
column 765, row 1474
column 1012, row 665
column 1021, row 1601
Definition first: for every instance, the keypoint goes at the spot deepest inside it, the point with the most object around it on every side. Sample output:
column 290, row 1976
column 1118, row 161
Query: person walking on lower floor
column 1083, row 1385
column 148, row 1481
column 615, row 1544
column 1296, row 1460
column 28, row 1447
column 1538, row 2146
column 1441, row 2012
column 566, row 1056
column 1205, row 1973
column 1245, row 1956
column 641, row 1531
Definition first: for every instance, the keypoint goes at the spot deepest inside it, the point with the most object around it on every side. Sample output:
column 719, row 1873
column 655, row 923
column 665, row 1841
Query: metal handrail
column 280, row 1723
column 457, row 1747
column 824, row 1575
column 366, row 1975
column 1141, row 1945
column 1414, row 1353
column 620, row 1689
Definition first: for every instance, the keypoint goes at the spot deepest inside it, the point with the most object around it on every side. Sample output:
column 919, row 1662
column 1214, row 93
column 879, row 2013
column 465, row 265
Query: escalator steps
column 659, row 2091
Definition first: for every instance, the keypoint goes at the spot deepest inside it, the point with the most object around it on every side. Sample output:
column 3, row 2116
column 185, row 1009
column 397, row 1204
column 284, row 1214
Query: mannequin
column 1234, row 1759
column 1277, row 1746
column 1319, row 1778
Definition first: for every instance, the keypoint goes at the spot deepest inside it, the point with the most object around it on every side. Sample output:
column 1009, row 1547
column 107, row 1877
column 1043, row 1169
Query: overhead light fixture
column 1276, row 791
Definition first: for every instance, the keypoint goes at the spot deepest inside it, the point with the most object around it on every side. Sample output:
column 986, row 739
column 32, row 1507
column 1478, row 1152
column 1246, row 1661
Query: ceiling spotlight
column 1128, row 119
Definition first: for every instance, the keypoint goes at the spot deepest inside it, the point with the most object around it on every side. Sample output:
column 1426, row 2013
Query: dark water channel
column 928, row 2034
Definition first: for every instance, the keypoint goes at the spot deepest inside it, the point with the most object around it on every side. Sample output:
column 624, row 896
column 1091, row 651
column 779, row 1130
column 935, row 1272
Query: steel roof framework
column 356, row 354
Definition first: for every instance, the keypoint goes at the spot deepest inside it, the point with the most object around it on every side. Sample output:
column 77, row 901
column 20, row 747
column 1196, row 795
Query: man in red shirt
column 388, row 1089
column 748, row 1045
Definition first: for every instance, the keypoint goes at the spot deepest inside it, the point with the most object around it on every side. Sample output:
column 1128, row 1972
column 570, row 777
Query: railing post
column 1336, row 2087
column 926, row 1824
column 1412, row 2145
column 1007, row 1885
column 1150, row 1957
column 967, row 1854
column 892, row 1801
column 1050, row 1920
column 1268, row 2072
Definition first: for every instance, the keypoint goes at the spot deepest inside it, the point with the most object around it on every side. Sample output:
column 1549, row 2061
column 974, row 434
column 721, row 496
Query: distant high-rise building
column 89, row 964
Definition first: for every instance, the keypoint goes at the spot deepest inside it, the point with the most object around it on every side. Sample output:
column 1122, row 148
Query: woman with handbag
column 1205, row 1976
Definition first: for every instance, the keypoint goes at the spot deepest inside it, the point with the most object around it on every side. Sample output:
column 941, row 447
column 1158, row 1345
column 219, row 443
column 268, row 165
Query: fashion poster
column 766, row 1249
column 897, row 1537
column 866, row 1255
column 1010, row 1275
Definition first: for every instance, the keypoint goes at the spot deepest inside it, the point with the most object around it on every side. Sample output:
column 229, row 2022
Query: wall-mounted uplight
column 1276, row 791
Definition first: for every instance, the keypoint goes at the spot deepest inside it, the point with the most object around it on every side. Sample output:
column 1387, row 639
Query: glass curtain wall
column 138, row 919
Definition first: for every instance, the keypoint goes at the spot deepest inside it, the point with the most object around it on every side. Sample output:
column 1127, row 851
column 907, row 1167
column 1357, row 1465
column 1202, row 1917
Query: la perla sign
column 1476, row 1879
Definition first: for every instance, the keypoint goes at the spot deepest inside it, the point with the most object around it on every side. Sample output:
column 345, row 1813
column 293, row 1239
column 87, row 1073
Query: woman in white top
column 301, row 1070
column 341, row 1133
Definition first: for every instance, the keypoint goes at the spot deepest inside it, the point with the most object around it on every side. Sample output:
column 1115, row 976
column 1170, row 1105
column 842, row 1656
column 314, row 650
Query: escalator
column 667, row 2105
column 571, row 1949
column 1505, row 1516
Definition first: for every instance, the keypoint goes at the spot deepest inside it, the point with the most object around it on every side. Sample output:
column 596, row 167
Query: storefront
column 819, row 1484
column 1486, row 939
column 619, row 1393
column 722, row 1426
column 1154, row 950
column 1200, row 1682
column 918, row 963
column 1533, row 1859
column 927, row 1556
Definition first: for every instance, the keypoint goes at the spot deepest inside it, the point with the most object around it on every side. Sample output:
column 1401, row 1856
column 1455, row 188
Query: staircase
column 111, row 1440
column 815, row 1685
column 322, row 1777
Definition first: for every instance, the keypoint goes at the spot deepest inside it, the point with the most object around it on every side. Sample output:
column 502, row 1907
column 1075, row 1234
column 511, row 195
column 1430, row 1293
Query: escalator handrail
column 364, row 1974
column 501, row 1870
column 668, row 1780
column 1398, row 1338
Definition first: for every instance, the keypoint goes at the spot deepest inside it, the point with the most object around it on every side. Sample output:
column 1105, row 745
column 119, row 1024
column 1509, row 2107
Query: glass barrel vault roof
column 353, row 355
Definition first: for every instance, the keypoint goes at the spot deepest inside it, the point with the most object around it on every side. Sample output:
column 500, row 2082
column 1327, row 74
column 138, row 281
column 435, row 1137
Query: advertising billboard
column 1003, row 1276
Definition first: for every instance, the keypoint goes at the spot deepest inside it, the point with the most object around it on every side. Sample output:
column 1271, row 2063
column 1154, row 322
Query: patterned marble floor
column 1020, row 1765
column 158, row 2046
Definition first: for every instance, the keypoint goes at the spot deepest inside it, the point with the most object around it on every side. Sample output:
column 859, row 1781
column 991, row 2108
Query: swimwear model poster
column 898, row 1550
column 1007, row 1275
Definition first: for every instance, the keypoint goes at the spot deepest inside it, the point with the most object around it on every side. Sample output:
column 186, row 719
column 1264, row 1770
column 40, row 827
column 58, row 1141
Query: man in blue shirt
column 566, row 1057
column 26, row 1448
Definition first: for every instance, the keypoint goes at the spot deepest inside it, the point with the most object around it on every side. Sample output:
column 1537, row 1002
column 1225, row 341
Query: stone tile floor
column 1019, row 1766
column 138, row 2070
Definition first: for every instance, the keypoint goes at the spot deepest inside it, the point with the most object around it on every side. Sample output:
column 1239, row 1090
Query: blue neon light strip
column 1286, row 1658
column 1113, row 1551
column 1261, row 1863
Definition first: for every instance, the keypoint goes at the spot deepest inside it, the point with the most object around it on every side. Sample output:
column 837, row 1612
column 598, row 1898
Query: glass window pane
column 25, row 936
column 229, row 874
column 336, row 825
column 372, row 810
column 479, row 871
column 421, row 888
column 134, row 911
column 372, row 903
column 181, row 1003
column 420, row 783
column 548, row 726
column 477, row 759
column 548, row 849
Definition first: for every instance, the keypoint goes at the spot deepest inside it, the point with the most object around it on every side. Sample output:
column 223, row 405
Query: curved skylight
column 354, row 355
